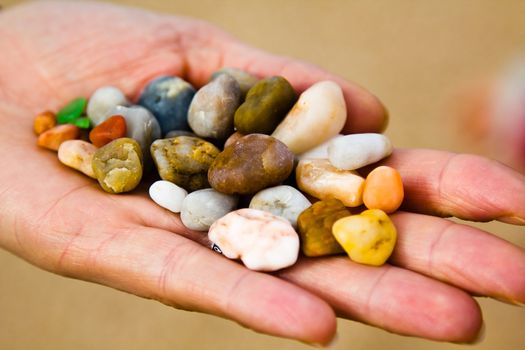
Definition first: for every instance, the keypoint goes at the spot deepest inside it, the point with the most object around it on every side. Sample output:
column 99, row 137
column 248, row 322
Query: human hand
column 52, row 52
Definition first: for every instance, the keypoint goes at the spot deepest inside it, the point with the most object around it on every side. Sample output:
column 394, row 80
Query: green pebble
column 72, row 110
column 82, row 122
column 266, row 105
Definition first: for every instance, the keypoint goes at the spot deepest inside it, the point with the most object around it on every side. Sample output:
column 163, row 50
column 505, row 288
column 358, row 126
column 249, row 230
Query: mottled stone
column 168, row 98
column 175, row 133
column 118, row 165
column 78, row 155
column 284, row 201
column 111, row 129
column 318, row 115
column 320, row 179
column 355, row 151
column 71, row 111
column 52, row 138
column 233, row 138
column 252, row 163
column 200, row 209
column 184, row 160
column 265, row 106
column 263, row 241
column 244, row 79
column 368, row 238
column 168, row 195
column 383, row 189
column 102, row 101
column 315, row 227
column 212, row 108
column 43, row 122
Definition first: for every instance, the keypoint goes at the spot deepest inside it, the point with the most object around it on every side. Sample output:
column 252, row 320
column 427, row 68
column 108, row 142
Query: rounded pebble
column 111, row 129
column 200, row 209
column 167, row 195
column 244, row 79
column 320, row 179
column 43, row 122
column 184, row 160
column 318, row 115
column 175, row 133
column 263, row 241
column 368, row 238
column 233, row 138
column 102, row 101
column 318, row 152
column 78, row 155
column 355, row 151
column 168, row 98
column 251, row 164
column 71, row 111
column 52, row 138
column 118, row 165
column 212, row 108
column 284, row 201
column 266, row 105
column 383, row 189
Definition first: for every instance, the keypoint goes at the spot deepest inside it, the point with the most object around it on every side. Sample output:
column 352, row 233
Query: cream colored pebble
column 355, row 151
column 320, row 179
column 263, row 241
column 318, row 115
column 78, row 155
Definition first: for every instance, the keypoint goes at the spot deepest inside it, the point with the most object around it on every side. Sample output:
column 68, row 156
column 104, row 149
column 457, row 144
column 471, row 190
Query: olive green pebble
column 266, row 105
column 184, row 160
column 118, row 165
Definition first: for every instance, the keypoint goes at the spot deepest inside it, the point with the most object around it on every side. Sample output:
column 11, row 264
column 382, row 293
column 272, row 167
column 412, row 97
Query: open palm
column 61, row 221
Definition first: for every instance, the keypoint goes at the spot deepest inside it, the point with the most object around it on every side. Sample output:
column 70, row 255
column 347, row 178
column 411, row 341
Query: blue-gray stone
column 168, row 98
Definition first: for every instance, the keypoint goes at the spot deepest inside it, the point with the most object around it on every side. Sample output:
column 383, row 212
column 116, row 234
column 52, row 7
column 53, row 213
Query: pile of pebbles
column 242, row 159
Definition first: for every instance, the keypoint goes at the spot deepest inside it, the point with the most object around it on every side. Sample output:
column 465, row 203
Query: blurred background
column 442, row 68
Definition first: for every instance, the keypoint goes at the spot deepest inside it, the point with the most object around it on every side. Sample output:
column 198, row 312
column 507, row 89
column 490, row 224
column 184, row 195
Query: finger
column 394, row 299
column 176, row 271
column 465, row 186
column 461, row 255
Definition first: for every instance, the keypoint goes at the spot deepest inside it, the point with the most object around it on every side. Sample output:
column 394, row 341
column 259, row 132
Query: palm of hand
column 62, row 222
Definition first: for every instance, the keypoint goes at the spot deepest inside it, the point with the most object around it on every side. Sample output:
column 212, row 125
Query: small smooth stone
column 141, row 125
column 252, row 163
column 244, row 79
column 263, row 241
column 118, row 165
column 315, row 227
column 175, row 133
column 111, row 129
column 102, row 101
column 184, row 160
column 320, row 179
column 167, row 195
column 52, row 138
column 200, row 209
column 43, row 122
column 319, row 152
column 368, row 238
column 213, row 106
column 78, row 155
column 168, row 98
column 383, row 189
column 355, row 151
column 233, row 138
column 284, row 201
column 318, row 115
column 265, row 106
column 71, row 111
column 82, row 122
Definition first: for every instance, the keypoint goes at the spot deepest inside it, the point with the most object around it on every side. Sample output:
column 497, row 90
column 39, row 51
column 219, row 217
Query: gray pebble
column 245, row 79
column 200, row 209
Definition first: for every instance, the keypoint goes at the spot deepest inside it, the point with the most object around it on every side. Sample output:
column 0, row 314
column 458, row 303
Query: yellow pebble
column 383, row 189
column 368, row 238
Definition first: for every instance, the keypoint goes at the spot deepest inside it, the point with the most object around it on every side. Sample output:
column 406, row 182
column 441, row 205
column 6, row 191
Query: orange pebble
column 111, row 129
column 383, row 189
column 44, row 121
column 52, row 138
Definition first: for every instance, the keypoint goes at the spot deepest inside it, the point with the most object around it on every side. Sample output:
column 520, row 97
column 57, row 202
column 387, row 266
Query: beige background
column 415, row 55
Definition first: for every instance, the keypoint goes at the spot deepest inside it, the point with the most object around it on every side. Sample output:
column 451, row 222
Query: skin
column 67, row 225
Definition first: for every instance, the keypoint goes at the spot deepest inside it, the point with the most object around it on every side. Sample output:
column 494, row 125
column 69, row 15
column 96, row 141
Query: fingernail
column 511, row 302
column 330, row 345
column 514, row 220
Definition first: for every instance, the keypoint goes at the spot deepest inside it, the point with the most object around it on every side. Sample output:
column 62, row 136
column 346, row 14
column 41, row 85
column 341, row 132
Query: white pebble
column 200, row 209
column 263, row 241
column 102, row 101
column 319, row 152
column 168, row 195
column 284, row 201
column 355, row 151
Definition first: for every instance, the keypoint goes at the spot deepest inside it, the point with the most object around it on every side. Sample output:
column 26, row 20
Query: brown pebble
column 111, row 129
column 44, row 121
column 52, row 138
